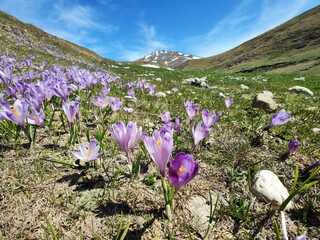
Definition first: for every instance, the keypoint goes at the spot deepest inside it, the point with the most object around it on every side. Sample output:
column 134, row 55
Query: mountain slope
column 166, row 58
column 26, row 39
column 291, row 47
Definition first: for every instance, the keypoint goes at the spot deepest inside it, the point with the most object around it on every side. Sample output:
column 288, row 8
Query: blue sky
column 130, row 29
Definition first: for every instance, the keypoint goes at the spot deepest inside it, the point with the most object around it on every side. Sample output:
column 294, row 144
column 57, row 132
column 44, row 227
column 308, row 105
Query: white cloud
column 149, row 42
column 244, row 24
column 80, row 16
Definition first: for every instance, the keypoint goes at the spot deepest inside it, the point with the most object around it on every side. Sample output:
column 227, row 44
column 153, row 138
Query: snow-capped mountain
column 166, row 58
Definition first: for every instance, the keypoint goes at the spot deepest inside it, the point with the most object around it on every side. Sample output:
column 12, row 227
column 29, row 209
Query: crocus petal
column 78, row 155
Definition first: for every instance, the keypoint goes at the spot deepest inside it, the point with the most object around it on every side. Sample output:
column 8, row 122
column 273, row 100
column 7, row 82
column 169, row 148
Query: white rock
column 160, row 94
column 300, row 79
column 299, row 89
column 267, row 185
column 316, row 130
column 221, row 94
column 158, row 79
column 242, row 86
column 129, row 98
column 168, row 92
column 269, row 93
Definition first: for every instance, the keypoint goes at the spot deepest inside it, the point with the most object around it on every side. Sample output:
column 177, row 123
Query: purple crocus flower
column 175, row 89
column 71, row 109
column 126, row 136
column 89, row 153
column 279, row 118
column 18, row 113
column 128, row 110
column 140, row 85
column 132, row 93
column 159, row 146
column 293, row 145
column 101, row 101
column 151, row 88
column 182, row 170
column 176, row 125
column 35, row 97
column 115, row 104
column 192, row 109
column 36, row 117
column 200, row 132
column 62, row 91
column 228, row 102
column 312, row 166
column 210, row 118
column 3, row 106
column 165, row 117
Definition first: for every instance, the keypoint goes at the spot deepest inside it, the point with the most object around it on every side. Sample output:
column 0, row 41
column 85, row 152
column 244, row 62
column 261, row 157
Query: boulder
column 267, row 185
column 300, row 90
column 264, row 101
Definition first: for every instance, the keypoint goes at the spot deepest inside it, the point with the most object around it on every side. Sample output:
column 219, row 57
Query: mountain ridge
column 165, row 58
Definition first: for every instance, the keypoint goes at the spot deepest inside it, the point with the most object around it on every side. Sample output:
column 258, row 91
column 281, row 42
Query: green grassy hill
column 26, row 39
column 291, row 47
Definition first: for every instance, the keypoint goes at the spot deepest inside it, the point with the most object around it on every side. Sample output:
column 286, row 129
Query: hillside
column 26, row 39
column 166, row 58
column 291, row 47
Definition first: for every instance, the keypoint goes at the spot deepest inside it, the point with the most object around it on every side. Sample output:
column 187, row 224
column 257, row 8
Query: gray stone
column 267, row 185
column 265, row 102
column 300, row 90
column 200, row 211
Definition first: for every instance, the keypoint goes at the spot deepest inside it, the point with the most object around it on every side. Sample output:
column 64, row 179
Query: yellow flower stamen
column 181, row 170
column 15, row 112
column 159, row 142
column 35, row 118
column 89, row 153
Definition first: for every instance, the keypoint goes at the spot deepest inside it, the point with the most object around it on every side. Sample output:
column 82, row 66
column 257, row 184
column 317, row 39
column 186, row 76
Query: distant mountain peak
column 166, row 58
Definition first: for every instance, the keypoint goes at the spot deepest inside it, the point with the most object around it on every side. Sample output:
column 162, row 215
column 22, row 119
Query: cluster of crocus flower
column 19, row 114
column 200, row 131
column 175, row 125
column 127, row 138
column 182, row 167
column 191, row 109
